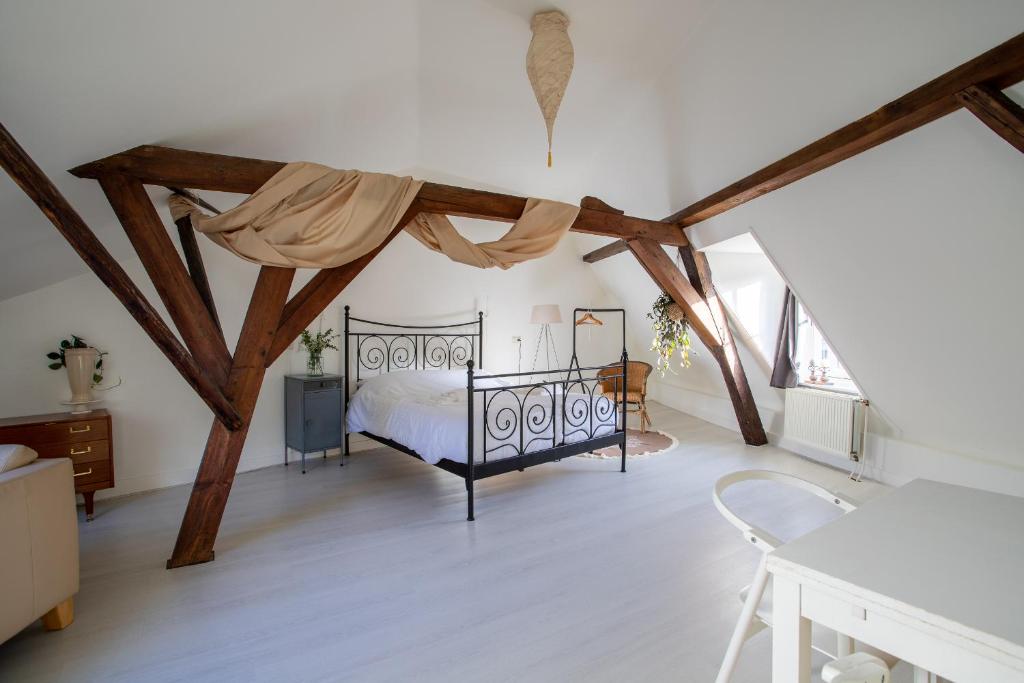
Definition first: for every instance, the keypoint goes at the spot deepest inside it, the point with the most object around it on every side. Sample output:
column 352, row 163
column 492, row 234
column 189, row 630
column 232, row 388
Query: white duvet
column 427, row 412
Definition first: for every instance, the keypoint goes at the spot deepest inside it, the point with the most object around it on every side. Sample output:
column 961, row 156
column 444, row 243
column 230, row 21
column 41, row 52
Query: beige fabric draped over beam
column 308, row 216
column 537, row 232
column 312, row 216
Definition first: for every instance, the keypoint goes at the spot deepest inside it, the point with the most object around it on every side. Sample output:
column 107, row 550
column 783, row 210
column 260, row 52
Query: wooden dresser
column 87, row 439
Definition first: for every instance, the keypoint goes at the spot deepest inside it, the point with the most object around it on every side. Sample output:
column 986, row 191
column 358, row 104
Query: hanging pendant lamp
column 549, row 64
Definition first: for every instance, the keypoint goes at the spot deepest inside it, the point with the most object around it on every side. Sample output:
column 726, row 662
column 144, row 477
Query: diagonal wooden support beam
column 197, row 269
column 975, row 85
column 322, row 289
column 998, row 68
column 216, row 474
column 699, row 272
column 997, row 111
column 697, row 298
column 215, row 172
column 667, row 275
column 146, row 231
column 42, row 191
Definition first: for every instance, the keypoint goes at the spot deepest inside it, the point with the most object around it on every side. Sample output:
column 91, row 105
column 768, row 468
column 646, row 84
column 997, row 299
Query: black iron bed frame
column 564, row 398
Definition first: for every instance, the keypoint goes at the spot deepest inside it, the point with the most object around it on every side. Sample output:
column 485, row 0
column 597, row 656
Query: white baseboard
column 888, row 460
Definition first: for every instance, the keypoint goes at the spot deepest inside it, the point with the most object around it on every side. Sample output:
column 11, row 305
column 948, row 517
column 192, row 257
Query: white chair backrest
column 759, row 537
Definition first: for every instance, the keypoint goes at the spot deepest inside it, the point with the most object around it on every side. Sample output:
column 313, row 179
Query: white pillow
column 13, row 456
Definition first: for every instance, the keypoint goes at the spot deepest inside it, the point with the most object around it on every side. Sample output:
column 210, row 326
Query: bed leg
column 344, row 452
column 623, row 448
column 469, row 500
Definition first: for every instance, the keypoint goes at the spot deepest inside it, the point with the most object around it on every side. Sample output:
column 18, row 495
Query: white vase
column 80, row 364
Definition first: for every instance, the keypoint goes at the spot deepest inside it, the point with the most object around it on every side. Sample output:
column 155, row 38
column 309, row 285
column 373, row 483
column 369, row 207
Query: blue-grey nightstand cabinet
column 313, row 414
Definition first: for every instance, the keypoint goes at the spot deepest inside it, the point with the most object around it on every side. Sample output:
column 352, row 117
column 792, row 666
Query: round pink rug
column 638, row 444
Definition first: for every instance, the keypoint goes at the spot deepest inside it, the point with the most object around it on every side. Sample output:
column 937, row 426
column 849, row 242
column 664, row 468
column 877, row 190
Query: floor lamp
column 545, row 315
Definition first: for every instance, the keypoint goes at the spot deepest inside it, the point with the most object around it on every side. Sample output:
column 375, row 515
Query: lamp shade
column 545, row 314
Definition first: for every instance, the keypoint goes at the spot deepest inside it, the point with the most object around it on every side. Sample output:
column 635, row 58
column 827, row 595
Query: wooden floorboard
column 572, row 571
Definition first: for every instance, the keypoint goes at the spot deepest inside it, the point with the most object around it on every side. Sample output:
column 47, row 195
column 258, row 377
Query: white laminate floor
column 572, row 572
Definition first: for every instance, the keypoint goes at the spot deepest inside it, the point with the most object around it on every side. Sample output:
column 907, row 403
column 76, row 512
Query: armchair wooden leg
column 60, row 616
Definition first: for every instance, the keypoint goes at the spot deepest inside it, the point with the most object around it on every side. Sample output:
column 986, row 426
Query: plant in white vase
column 84, row 366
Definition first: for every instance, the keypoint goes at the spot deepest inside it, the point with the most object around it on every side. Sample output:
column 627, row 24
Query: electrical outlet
column 516, row 339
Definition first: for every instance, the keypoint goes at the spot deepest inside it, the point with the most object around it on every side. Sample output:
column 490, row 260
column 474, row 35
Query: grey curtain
column 784, row 375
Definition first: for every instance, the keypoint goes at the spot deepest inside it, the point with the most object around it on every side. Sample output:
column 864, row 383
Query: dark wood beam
column 197, row 269
column 322, row 289
column 997, row 111
column 167, row 272
column 998, row 68
column 698, row 271
column 205, row 510
column 215, row 172
column 610, row 249
column 671, row 280
column 55, row 207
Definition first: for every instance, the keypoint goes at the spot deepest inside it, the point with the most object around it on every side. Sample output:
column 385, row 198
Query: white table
column 930, row 573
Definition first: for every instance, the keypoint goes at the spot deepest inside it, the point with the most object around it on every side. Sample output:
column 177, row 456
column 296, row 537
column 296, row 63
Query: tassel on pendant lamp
column 549, row 63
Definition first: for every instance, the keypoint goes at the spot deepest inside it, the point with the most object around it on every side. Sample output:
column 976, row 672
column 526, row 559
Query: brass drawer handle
column 87, row 449
column 80, row 431
column 82, row 474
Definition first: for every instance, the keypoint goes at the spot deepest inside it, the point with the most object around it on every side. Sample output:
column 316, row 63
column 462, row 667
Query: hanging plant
column 315, row 345
column 58, row 361
column 671, row 333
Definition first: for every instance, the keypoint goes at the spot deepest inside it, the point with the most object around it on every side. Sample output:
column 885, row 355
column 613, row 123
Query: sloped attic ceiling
column 380, row 85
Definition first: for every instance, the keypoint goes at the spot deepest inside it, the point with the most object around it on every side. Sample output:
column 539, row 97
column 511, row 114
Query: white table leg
column 791, row 634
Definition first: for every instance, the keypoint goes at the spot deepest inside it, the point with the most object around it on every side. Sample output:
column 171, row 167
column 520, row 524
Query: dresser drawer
column 82, row 451
column 87, row 473
column 75, row 431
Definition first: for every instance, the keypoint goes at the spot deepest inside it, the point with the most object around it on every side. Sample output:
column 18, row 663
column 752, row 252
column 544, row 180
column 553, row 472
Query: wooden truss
column 230, row 382
column 976, row 85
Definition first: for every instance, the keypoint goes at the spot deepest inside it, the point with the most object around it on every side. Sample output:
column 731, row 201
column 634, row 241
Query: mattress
column 427, row 412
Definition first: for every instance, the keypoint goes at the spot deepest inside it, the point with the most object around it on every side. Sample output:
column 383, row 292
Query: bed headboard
column 373, row 348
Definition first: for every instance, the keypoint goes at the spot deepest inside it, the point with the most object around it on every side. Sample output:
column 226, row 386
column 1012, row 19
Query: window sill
column 837, row 388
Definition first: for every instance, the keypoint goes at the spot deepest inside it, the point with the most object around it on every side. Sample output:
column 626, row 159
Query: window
column 816, row 360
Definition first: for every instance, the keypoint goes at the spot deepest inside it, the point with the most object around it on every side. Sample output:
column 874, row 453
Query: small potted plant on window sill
column 84, row 366
column 671, row 333
column 315, row 345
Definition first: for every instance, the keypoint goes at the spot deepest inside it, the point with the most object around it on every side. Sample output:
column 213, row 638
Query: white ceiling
column 384, row 85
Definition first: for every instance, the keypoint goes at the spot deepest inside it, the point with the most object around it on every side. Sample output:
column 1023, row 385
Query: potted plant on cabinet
column 315, row 345
column 84, row 366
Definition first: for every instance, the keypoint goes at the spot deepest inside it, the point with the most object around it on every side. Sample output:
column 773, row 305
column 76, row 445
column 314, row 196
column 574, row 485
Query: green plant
column 671, row 334
column 315, row 344
column 57, row 357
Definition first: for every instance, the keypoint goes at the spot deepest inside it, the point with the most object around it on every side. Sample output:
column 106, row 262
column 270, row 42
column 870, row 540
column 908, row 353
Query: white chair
column 756, row 616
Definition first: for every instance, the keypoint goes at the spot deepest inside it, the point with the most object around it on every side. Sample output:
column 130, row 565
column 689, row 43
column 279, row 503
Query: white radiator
column 827, row 420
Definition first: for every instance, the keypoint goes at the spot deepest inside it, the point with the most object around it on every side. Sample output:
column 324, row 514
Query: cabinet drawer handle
column 86, row 428
column 82, row 474
column 87, row 449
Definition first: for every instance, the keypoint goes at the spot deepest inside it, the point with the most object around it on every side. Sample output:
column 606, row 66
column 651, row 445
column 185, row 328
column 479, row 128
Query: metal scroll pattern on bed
column 527, row 416
column 388, row 347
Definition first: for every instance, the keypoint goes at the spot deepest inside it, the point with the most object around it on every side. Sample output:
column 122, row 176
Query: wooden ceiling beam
column 54, row 206
column 998, row 68
column 176, row 289
column 216, row 172
column 975, row 85
column 997, row 111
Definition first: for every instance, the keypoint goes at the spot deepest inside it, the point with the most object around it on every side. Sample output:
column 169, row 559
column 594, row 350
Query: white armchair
column 38, row 541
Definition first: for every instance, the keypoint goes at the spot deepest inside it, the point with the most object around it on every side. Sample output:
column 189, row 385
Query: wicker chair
column 637, row 373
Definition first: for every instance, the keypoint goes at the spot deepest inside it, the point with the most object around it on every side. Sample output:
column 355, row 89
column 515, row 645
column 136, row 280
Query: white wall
column 160, row 426
column 907, row 255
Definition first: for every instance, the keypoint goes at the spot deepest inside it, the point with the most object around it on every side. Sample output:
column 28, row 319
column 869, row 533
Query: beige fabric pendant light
column 549, row 64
